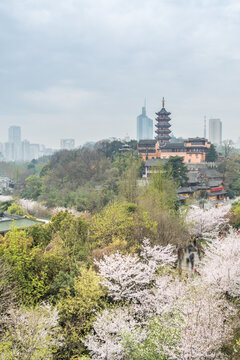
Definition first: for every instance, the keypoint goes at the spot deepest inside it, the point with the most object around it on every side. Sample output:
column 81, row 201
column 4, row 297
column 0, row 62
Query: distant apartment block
column 13, row 146
column 14, row 134
column 215, row 131
column 144, row 126
column 67, row 144
column 17, row 150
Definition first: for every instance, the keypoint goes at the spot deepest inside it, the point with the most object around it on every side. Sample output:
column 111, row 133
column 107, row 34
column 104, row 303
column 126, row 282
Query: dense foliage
column 104, row 284
column 86, row 178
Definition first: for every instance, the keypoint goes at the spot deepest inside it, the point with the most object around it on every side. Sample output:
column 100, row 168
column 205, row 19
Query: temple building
column 162, row 125
column 193, row 150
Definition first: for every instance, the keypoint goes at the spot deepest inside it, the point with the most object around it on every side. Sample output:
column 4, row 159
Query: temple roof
column 163, row 111
column 154, row 162
column 173, row 145
column 145, row 142
column 196, row 139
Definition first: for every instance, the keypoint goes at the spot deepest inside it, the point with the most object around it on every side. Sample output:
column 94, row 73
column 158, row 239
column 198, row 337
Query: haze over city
column 81, row 69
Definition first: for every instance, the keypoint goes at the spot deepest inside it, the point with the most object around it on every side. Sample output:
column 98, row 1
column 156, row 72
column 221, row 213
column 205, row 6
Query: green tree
column 158, row 337
column 25, row 264
column 211, row 155
column 120, row 226
column 33, row 187
column 230, row 168
column 128, row 189
column 16, row 209
column 177, row 169
column 78, row 309
column 159, row 201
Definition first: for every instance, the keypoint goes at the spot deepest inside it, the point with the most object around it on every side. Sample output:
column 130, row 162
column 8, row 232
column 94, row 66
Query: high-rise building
column 67, row 144
column 14, row 134
column 26, row 154
column 215, row 131
column 34, row 151
column 144, row 126
column 13, row 150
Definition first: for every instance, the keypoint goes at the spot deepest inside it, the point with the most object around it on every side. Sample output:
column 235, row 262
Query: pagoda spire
column 162, row 124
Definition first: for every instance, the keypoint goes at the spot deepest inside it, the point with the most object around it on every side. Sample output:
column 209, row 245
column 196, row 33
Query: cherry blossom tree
column 206, row 223
column 204, row 323
column 127, row 276
column 221, row 264
column 35, row 207
column 31, row 334
column 154, row 305
column 106, row 340
column 190, row 327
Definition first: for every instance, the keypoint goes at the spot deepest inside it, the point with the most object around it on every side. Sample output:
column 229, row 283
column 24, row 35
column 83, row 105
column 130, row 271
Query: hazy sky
column 82, row 68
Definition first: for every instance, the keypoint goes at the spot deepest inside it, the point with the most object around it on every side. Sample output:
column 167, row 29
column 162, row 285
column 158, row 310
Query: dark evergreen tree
column 177, row 169
column 211, row 155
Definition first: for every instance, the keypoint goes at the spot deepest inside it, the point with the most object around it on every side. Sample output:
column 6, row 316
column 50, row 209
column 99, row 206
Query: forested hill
column 86, row 178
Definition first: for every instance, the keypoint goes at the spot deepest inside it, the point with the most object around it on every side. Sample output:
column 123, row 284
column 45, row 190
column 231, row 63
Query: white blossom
column 160, row 255
column 203, row 323
column 206, row 222
column 221, row 264
column 32, row 333
column 127, row 276
column 105, row 341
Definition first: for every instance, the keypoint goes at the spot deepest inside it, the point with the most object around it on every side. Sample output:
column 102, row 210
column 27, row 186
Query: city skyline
column 66, row 66
column 76, row 144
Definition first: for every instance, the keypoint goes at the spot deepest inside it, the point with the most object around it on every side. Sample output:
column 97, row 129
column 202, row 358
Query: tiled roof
column 7, row 223
column 154, row 162
column 173, row 145
column 163, row 111
column 185, row 189
column 145, row 142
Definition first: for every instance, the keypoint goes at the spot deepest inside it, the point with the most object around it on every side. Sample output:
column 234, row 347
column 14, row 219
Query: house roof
column 196, row 139
column 211, row 173
column 172, row 145
column 145, row 142
column 185, row 189
column 214, row 193
column 154, row 162
column 214, row 183
column 193, row 177
column 9, row 221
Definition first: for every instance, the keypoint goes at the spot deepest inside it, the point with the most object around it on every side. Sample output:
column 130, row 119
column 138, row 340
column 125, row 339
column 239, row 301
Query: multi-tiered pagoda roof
column 162, row 125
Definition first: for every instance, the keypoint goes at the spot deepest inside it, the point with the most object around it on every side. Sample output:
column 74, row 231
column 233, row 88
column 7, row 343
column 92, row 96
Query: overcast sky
column 82, row 68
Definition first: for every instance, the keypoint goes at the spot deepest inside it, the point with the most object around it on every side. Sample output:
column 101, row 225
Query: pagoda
column 163, row 125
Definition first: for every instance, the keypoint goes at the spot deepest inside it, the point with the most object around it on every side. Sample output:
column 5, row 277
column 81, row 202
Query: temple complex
column 193, row 150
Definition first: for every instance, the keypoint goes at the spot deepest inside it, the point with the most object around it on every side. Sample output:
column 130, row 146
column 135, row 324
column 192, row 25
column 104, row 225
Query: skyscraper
column 14, row 134
column 13, row 147
column 144, row 126
column 215, row 131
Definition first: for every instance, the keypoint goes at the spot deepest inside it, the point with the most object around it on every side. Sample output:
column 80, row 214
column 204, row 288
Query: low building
column 193, row 150
column 151, row 166
column 8, row 222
